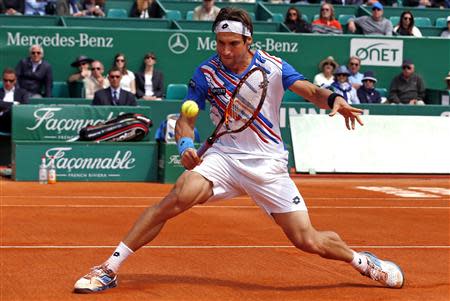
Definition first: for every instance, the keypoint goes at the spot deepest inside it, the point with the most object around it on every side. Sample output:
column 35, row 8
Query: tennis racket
column 244, row 106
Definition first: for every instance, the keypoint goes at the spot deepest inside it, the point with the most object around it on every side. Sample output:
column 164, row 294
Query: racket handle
column 205, row 146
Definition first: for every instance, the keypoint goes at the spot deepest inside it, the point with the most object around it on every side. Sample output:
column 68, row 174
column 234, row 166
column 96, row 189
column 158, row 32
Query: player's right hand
column 189, row 159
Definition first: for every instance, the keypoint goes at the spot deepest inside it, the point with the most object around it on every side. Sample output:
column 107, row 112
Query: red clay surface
column 229, row 250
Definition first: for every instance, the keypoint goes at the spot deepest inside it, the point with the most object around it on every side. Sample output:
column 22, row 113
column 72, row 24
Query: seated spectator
column 34, row 74
column 326, row 77
column 447, row 81
column 145, row 9
column 407, row 87
column 38, row 7
column 342, row 86
column 149, row 83
column 327, row 23
column 93, row 8
column 372, row 25
column 406, row 27
column 354, row 65
column 9, row 95
column 346, row 2
column 128, row 79
column 294, row 21
column 82, row 63
column 114, row 95
column 12, row 7
column 417, row 3
column 446, row 33
column 69, row 8
column 206, row 12
column 96, row 81
column 367, row 93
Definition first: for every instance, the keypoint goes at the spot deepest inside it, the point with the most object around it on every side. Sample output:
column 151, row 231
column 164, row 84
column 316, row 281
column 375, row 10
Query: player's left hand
column 350, row 113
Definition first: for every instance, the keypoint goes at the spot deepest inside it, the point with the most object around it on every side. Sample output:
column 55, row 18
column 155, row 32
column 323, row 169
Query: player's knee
column 192, row 189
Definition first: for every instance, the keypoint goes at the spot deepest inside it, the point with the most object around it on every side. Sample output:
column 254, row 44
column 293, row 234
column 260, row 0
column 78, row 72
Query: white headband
column 232, row 26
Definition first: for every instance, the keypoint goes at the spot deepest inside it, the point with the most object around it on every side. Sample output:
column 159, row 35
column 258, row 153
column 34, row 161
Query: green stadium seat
column 173, row 15
column 422, row 22
column 190, row 15
column 176, row 91
column 383, row 92
column 305, row 17
column 60, row 89
column 252, row 15
column 343, row 19
column 276, row 17
column 441, row 22
column 117, row 13
column 394, row 20
column 316, row 16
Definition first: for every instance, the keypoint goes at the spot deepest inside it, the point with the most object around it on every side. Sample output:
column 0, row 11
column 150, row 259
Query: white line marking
column 214, row 207
column 213, row 247
column 437, row 190
column 398, row 191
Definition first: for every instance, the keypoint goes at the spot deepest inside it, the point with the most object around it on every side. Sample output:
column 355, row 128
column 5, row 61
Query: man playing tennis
column 252, row 162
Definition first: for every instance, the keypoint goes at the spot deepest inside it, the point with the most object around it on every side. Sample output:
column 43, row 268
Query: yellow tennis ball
column 189, row 108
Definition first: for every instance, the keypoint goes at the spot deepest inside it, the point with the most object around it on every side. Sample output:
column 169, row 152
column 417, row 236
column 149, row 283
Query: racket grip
column 205, row 146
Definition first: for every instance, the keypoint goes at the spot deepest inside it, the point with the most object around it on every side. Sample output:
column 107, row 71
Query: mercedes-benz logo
column 178, row 43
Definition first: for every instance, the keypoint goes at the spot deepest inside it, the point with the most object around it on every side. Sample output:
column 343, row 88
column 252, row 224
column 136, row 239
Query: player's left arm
column 325, row 99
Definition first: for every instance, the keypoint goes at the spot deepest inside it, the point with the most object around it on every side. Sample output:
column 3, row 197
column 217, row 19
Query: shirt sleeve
column 198, row 89
column 290, row 75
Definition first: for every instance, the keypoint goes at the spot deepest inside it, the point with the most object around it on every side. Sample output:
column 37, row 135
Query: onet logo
column 178, row 43
column 377, row 52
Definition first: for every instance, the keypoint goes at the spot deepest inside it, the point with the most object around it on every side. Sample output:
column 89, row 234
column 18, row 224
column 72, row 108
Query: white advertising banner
column 385, row 144
column 377, row 52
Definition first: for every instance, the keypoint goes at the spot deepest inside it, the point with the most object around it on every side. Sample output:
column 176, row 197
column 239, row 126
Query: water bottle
column 43, row 171
column 52, row 171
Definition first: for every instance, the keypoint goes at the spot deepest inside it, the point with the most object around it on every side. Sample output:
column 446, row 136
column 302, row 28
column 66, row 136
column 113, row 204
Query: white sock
column 118, row 257
column 359, row 262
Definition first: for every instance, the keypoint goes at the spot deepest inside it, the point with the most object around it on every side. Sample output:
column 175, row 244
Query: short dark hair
column 113, row 69
column 9, row 71
column 234, row 14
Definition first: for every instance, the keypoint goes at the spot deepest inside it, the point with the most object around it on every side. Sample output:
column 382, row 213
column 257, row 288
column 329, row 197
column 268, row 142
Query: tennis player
column 252, row 162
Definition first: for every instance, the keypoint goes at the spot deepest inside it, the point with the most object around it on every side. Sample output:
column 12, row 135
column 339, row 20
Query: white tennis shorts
column 266, row 181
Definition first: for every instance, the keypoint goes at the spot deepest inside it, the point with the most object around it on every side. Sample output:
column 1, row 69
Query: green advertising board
column 63, row 122
column 179, row 52
column 80, row 161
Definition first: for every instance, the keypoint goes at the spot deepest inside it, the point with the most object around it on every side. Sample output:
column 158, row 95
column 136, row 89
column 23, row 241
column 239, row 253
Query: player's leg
column 191, row 188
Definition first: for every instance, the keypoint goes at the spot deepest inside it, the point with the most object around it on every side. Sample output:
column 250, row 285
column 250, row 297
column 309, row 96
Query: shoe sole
column 89, row 291
column 390, row 262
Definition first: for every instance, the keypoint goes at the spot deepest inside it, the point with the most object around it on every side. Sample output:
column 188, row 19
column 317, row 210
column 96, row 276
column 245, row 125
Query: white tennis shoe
column 98, row 279
column 383, row 271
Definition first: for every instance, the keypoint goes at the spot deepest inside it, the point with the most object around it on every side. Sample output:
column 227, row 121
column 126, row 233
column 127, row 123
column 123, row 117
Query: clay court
column 229, row 250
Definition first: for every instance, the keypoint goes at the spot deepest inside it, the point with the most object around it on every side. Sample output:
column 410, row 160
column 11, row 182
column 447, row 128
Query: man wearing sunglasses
column 34, row 74
column 9, row 96
column 114, row 95
column 407, row 87
column 375, row 24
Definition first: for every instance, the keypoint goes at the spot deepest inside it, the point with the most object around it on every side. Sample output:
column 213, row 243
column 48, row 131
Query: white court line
column 214, row 247
column 214, row 207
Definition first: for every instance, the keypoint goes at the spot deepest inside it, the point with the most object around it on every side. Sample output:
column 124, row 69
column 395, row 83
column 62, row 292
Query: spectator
column 406, row 27
column 83, row 64
column 367, row 93
column 149, row 83
column 327, row 23
column 96, row 81
column 128, row 79
column 326, row 78
column 36, row 7
column 34, row 74
column 206, row 12
column 346, row 2
column 69, row 8
column 446, row 33
column 342, row 86
column 418, row 3
column 145, row 9
column 447, row 81
column 9, row 96
column 407, row 87
column 294, row 21
column 354, row 65
column 372, row 25
column 114, row 95
column 12, row 7
column 93, row 8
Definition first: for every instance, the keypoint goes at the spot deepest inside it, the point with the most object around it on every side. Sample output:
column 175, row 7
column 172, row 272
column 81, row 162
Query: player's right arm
column 184, row 127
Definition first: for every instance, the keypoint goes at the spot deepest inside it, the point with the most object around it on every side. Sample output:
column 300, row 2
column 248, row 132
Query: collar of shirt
column 9, row 95
column 35, row 65
column 117, row 91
